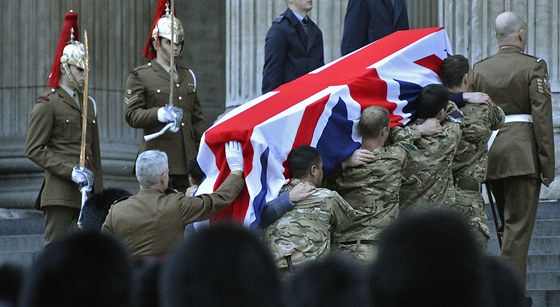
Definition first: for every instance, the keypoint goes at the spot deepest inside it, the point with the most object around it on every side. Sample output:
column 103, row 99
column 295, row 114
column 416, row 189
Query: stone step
column 544, row 298
column 23, row 226
column 543, row 228
column 543, row 263
column 24, row 259
column 539, row 245
column 16, row 243
column 549, row 280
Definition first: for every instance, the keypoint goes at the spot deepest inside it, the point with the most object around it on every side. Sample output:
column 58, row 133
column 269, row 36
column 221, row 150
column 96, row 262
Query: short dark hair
column 453, row 69
column 336, row 280
column 431, row 100
column 301, row 159
column 372, row 121
column 427, row 258
column 195, row 171
column 83, row 268
column 221, row 265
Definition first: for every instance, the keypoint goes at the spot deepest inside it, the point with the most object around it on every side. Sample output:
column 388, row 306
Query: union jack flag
column 320, row 109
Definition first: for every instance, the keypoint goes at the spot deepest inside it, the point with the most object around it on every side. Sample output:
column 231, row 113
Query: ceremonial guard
column 71, row 159
column 161, row 98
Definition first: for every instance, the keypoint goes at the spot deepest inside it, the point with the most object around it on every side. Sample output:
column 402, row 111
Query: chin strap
column 73, row 81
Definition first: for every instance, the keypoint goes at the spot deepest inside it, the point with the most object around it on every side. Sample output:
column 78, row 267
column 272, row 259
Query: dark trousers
column 517, row 199
column 59, row 220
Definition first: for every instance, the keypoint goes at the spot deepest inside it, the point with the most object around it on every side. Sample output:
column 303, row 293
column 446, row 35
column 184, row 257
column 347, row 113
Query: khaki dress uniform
column 147, row 89
column 53, row 142
column 522, row 150
column 152, row 223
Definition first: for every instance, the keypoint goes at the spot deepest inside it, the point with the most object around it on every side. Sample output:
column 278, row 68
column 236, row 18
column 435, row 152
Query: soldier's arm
column 201, row 207
column 136, row 113
column 496, row 116
column 275, row 208
column 197, row 119
column 41, row 122
column 541, row 111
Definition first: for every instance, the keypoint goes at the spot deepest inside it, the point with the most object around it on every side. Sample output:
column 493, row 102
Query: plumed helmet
column 161, row 27
column 74, row 54
column 70, row 50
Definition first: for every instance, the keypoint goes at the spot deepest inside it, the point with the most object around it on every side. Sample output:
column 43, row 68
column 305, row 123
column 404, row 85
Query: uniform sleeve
column 201, row 207
column 406, row 134
column 355, row 34
column 39, row 132
column 136, row 114
column 344, row 213
column 541, row 111
column 496, row 116
column 198, row 122
column 275, row 49
column 275, row 208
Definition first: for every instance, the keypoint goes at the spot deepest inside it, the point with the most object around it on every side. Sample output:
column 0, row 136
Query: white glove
column 234, row 156
column 164, row 115
column 83, row 177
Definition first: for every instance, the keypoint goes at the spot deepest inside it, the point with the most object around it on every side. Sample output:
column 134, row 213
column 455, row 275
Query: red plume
column 70, row 22
column 149, row 51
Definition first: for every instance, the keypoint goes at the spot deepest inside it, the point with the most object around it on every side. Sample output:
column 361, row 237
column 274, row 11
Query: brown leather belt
column 366, row 242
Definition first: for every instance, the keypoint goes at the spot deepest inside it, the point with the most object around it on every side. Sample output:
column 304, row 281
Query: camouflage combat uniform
column 469, row 165
column 373, row 191
column 433, row 184
column 304, row 233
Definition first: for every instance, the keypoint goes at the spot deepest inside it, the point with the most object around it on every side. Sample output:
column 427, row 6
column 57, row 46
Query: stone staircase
column 543, row 264
column 21, row 236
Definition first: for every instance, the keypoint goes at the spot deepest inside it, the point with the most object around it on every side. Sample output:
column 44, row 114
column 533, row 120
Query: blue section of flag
column 336, row 143
column 409, row 92
column 259, row 202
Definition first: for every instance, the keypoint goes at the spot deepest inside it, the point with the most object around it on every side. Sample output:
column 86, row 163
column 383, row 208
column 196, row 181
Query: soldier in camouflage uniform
column 433, row 184
column 304, row 233
column 372, row 189
column 469, row 164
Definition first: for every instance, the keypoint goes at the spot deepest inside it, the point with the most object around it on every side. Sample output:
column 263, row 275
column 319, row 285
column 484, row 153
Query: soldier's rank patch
column 128, row 100
column 543, row 86
column 129, row 91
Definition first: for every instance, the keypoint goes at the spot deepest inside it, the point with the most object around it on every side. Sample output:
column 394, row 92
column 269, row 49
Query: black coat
column 287, row 53
column 369, row 20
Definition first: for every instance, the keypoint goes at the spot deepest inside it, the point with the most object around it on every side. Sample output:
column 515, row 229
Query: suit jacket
column 53, row 142
column 152, row 223
column 147, row 89
column 369, row 20
column 289, row 52
column 518, row 83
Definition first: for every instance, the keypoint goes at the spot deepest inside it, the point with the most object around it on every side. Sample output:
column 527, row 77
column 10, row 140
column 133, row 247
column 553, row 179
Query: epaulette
column 44, row 97
column 484, row 59
column 279, row 18
column 145, row 66
column 134, row 72
column 121, row 199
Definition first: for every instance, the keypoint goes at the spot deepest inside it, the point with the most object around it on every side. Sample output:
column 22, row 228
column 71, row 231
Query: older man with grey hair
column 152, row 222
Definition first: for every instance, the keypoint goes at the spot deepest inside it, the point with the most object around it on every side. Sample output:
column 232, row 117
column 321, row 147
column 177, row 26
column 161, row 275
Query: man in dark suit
column 369, row 20
column 293, row 46
column 522, row 154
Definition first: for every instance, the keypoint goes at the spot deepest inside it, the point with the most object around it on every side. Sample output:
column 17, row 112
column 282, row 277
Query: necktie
column 76, row 97
column 305, row 24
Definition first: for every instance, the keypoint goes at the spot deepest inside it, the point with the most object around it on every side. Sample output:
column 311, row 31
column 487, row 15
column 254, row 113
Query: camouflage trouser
column 471, row 205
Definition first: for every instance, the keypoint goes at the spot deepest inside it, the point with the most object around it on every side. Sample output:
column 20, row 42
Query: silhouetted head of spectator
column 427, row 258
column 221, row 265
column 11, row 278
column 146, row 283
column 195, row 172
column 335, row 281
column 97, row 207
column 432, row 101
column 502, row 285
column 84, row 268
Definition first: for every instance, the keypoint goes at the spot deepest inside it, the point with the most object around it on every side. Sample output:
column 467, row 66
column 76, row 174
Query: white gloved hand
column 164, row 115
column 234, row 156
column 83, row 177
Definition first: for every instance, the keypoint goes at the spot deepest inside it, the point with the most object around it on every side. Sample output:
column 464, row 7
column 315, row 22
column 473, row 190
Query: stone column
column 470, row 26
